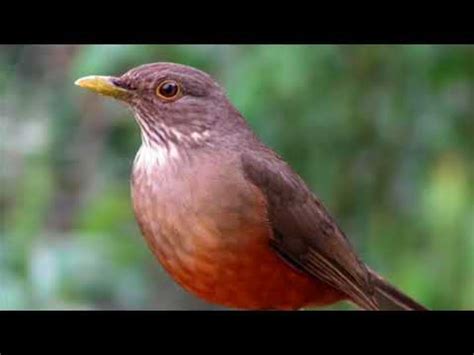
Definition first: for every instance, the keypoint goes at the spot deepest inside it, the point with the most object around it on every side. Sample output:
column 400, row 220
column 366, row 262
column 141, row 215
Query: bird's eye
column 168, row 90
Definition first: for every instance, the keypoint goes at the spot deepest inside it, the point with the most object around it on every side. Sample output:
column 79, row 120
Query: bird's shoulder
column 292, row 205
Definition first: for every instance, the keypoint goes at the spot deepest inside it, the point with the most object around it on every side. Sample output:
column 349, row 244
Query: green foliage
column 383, row 134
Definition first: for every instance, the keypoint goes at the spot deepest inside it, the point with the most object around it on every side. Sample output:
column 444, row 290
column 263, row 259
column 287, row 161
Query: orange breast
column 211, row 233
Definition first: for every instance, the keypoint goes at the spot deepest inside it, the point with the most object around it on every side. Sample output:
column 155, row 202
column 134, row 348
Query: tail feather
column 390, row 298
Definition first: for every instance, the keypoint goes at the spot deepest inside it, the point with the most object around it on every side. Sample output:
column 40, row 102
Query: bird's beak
column 104, row 85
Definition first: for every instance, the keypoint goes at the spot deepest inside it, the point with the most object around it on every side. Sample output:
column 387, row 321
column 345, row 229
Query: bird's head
column 171, row 102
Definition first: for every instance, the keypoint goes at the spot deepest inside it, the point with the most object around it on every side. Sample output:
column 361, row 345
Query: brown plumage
column 223, row 213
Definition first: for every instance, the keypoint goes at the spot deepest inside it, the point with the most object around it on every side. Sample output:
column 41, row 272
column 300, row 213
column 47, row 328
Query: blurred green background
column 383, row 134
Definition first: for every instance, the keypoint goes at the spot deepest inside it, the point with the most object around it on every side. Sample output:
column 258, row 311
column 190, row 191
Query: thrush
column 224, row 214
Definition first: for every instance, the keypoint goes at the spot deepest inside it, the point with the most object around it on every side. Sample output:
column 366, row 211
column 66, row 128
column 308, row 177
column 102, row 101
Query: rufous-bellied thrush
column 224, row 214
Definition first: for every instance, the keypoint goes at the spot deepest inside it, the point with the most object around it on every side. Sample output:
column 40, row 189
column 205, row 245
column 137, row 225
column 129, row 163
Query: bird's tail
column 389, row 298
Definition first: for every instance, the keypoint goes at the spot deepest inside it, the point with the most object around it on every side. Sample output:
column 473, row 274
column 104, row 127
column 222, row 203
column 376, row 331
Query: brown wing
column 304, row 233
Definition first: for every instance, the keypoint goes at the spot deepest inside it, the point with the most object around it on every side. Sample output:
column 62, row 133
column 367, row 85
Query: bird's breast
column 209, row 229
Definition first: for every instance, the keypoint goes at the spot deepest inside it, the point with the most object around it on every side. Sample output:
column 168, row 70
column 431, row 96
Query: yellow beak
column 103, row 85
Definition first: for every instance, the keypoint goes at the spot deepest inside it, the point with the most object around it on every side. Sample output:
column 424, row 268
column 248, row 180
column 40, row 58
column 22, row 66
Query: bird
column 223, row 213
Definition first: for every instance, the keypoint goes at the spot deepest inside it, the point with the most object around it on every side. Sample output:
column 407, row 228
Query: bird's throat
column 156, row 156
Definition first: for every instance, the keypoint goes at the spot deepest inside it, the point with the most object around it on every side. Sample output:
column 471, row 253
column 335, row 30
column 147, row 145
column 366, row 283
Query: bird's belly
column 238, row 271
column 250, row 279
column 212, row 236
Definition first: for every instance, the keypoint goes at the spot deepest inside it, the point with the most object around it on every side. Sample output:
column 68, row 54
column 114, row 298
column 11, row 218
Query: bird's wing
column 303, row 231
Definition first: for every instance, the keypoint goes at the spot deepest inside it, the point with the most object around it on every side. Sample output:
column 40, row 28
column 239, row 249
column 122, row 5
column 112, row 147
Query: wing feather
column 304, row 233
